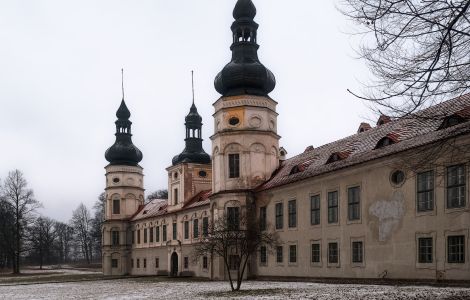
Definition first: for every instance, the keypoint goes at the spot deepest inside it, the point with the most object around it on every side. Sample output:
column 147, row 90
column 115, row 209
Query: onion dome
column 245, row 74
column 193, row 152
column 123, row 152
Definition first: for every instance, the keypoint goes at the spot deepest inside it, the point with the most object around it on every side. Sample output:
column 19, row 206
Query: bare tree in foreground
column 235, row 238
column 418, row 51
column 160, row 194
column 23, row 205
column 81, row 223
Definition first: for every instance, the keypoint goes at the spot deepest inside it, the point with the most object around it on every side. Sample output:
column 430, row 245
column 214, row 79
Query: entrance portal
column 174, row 265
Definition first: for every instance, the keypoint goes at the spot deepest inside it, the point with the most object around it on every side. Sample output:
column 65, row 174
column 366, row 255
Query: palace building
column 390, row 201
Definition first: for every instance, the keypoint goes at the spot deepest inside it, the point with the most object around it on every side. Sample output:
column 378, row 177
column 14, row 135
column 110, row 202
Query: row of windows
column 455, row 188
column 455, row 192
column 153, row 234
column 354, row 210
column 425, row 248
column 205, row 263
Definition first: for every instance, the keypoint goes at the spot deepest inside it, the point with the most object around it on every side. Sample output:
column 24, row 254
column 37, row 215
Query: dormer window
column 452, row 121
column 384, row 142
column 337, row 156
column 295, row 170
column 364, row 127
column 383, row 120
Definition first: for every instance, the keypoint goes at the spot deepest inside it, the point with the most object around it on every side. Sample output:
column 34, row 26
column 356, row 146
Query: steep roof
column 406, row 133
column 159, row 207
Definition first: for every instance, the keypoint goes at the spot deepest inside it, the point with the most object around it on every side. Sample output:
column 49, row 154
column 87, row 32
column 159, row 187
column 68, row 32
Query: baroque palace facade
column 381, row 203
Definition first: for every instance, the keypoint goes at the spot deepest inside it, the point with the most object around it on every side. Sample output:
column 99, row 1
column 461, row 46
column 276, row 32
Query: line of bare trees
column 26, row 237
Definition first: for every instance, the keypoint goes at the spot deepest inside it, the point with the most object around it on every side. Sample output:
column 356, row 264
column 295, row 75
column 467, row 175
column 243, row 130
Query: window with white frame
column 456, row 186
column 425, row 191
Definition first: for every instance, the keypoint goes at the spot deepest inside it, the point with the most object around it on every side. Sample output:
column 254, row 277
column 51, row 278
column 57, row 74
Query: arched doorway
column 174, row 265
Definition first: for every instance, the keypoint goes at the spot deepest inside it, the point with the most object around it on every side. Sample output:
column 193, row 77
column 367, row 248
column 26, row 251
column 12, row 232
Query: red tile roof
column 407, row 133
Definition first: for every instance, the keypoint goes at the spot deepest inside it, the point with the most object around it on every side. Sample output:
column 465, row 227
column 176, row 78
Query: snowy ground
column 176, row 289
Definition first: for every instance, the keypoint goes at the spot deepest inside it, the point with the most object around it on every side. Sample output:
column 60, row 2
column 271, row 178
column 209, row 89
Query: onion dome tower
column 123, row 152
column 124, row 194
column 193, row 152
column 245, row 74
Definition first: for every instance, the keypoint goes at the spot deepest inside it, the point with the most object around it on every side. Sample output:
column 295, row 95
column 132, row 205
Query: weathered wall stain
column 390, row 213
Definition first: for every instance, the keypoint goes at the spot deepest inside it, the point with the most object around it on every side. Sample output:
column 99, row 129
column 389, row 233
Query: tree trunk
column 16, row 270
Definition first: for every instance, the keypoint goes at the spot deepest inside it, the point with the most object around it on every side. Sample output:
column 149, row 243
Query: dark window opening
column 205, row 262
column 315, row 210
column 333, row 255
column 279, row 254
column 233, row 261
column 175, row 232
column 354, row 203
column 233, row 218
column 262, row 218
column 292, row 208
column 186, row 230
column 164, row 234
column 357, row 252
column 205, row 226
column 425, row 191
column 425, row 250
column 316, row 253
column 114, row 263
column 397, row 178
column 263, row 255
column 116, row 207
column 234, row 165
column 292, row 254
column 333, row 207
column 279, row 216
column 456, row 249
column 196, row 228
column 115, row 238
column 456, row 186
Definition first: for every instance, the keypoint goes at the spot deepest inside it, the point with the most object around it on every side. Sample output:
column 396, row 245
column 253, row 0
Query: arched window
column 452, row 121
column 384, row 142
column 116, row 206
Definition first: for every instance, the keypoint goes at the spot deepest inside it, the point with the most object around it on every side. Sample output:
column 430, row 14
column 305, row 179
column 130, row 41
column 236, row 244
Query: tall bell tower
column 245, row 143
column 124, row 194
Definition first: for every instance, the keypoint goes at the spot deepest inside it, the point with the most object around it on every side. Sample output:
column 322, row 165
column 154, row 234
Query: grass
column 248, row 293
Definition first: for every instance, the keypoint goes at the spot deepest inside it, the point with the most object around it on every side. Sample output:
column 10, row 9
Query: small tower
column 191, row 170
column 124, row 195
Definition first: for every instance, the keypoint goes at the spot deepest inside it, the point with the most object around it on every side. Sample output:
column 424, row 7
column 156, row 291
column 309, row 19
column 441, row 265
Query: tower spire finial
column 192, row 82
column 122, row 82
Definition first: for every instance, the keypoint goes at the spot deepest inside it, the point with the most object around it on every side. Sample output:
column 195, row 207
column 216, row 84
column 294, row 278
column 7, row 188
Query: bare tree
column 240, row 239
column 42, row 239
column 418, row 51
column 96, row 223
column 81, row 223
column 7, row 227
column 160, row 194
column 22, row 203
column 64, row 235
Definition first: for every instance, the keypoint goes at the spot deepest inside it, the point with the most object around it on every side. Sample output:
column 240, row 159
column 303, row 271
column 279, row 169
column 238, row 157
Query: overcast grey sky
column 60, row 82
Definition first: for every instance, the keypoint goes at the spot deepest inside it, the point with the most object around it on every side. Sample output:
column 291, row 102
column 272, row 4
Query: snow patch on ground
column 149, row 289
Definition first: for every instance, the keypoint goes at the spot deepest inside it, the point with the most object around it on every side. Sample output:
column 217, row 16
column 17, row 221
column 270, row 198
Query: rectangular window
column 175, row 232
column 138, row 236
column 116, row 207
column 456, row 249
column 357, row 252
column 233, row 262
column 132, row 263
column 333, row 253
column 186, row 230
column 157, row 263
column 133, row 237
column 425, row 191
column 279, row 216
column 292, row 254
column 115, row 238
column 456, row 186
column 333, row 207
column 205, row 262
column 186, row 262
column 164, row 233
column 157, row 234
column 354, row 203
column 292, row 208
column 315, row 210
column 196, row 228
column 138, row 263
column 234, row 165
column 114, row 263
column 233, row 218
column 175, row 196
column 425, row 250
column 205, row 226
column 145, row 236
column 316, row 253
column 145, row 263
column 262, row 218
column 263, row 255
column 279, row 255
